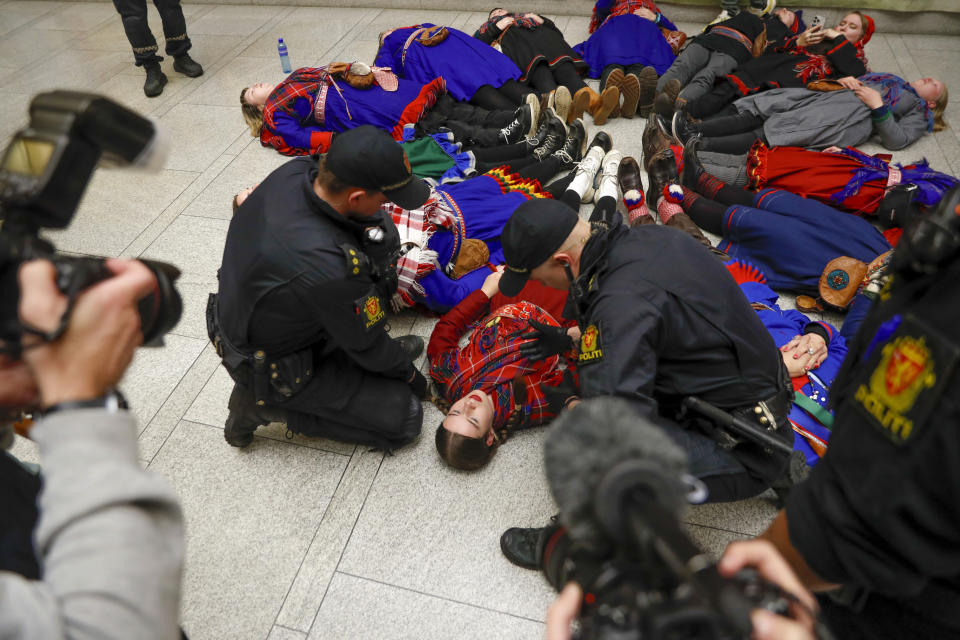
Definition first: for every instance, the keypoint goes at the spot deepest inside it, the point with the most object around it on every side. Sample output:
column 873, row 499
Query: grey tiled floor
column 299, row 538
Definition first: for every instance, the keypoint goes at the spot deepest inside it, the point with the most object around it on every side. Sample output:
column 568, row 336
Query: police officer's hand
column 764, row 557
column 418, row 384
column 544, row 340
column 560, row 395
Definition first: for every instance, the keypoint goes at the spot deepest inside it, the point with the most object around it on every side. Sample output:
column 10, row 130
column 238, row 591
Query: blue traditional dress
column 783, row 324
column 791, row 239
column 465, row 63
column 625, row 38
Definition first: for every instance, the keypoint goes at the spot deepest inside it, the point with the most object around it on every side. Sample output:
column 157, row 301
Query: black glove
column 557, row 396
column 418, row 384
column 547, row 341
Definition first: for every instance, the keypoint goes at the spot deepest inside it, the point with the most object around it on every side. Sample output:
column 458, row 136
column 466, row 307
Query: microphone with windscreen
column 622, row 488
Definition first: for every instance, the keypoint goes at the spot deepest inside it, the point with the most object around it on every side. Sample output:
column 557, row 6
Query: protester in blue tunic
column 474, row 72
column 812, row 352
column 789, row 238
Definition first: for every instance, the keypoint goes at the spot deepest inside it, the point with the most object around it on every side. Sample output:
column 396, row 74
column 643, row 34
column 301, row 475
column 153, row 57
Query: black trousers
column 379, row 411
column 471, row 125
column 134, row 16
column 544, row 78
column 507, row 97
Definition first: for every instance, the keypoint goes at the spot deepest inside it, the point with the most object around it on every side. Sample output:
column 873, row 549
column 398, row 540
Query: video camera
column 621, row 486
column 43, row 174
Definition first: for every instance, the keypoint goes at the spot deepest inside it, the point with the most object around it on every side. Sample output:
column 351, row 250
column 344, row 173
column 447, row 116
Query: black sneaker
column 516, row 130
column 156, row 79
column 553, row 141
column 574, row 146
column 549, row 120
column 187, row 66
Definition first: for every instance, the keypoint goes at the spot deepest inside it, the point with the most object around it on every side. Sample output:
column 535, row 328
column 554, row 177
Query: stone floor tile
column 248, row 169
column 712, row 540
column 77, row 69
column 200, row 133
column 249, row 518
column 310, row 586
column 15, row 109
column 78, row 16
column 127, row 89
column 195, row 245
column 282, row 633
column 210, row 407
column 117, row 207
column 308, row 33
column 18, row 14
column 111, row 37
column 393, row 18
column 409, row 615
column 748, row 517
column 155, row 372
column 168, row 416
column 19, row 49
column 445, row 541
column 231, row 20
column 223, row 86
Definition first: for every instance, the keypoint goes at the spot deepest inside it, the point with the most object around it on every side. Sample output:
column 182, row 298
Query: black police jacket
column 661, row 319
column 296, row 275
column 882, row 509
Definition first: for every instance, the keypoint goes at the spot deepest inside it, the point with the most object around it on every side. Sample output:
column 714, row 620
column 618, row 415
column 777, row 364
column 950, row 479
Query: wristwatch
column 113, row 401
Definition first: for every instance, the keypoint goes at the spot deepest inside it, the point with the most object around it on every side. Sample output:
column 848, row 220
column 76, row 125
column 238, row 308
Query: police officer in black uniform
column 300, row 317
column 880, row 513
column 661, row 319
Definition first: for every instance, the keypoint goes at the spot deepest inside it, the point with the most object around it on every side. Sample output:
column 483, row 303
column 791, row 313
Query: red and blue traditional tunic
column 490, row 360
column 305, row 110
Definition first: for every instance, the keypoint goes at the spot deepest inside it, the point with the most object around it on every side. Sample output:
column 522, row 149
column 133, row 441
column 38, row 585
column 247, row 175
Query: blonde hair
column 252, row 114
column 940, row 105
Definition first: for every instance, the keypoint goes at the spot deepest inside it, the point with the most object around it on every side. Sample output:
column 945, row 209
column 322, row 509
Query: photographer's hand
column 763, row 556
column 104, row 330
column 563, row 612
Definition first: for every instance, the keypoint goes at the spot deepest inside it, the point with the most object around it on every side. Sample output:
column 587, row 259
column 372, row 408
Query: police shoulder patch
column 370, row 310
column 591, row 345
column 907, row 375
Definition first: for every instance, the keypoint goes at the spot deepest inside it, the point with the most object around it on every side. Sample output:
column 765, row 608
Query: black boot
column 550, row 122
column 187, row 66
column 518, row 129
column 155, row 80
column 574, row 146
column 553, row 141
column 602, row 140
column 683, row 127
column 245, row 416
column 692, row 168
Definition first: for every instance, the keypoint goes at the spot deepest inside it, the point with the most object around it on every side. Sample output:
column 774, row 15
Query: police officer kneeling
column 661, row 319
column 300, row 317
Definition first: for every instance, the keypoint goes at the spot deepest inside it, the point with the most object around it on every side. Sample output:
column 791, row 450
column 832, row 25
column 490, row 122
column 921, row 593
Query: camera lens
column 161, row 310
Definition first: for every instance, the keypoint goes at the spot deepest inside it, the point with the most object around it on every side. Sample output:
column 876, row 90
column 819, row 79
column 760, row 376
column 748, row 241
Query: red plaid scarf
column 416, row 260
column 621, row 8
column 491, row 360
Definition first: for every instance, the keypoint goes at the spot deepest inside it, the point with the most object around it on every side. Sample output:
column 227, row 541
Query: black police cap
column 535, row 231
column 367, row 157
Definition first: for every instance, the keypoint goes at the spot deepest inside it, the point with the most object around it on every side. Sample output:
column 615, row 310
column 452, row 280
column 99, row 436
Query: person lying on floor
column 301, row 114
column 516, row 370
column 876, row 104
column 474, row 72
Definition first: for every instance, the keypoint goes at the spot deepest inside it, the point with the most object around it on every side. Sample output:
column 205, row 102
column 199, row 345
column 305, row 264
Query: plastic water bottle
column 284, row 58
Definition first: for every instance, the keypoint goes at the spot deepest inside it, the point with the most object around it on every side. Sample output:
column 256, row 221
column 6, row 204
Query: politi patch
column 591, row 347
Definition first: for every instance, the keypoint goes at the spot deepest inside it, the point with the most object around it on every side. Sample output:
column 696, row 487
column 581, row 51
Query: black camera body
column 44, row 172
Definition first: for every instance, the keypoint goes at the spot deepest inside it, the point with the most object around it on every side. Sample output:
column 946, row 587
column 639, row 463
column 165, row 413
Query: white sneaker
column 608, row 177
column 584, row 173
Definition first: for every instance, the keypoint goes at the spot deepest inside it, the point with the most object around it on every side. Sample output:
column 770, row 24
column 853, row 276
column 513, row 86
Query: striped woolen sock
column 689, row 197
column 667, row 209
column 636, row 205
column 709, row 185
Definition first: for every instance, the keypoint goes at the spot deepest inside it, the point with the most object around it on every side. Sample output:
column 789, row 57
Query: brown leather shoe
column 615, row 79
column 666, row 100
column 653, row 141
column 630, row 88
column 648, row 86
column 684, row 223
column 601, row 105
column 628, row 175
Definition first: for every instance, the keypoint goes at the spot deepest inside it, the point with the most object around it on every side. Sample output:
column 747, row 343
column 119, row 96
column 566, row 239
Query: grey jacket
column 817, row 120
column 110, row 538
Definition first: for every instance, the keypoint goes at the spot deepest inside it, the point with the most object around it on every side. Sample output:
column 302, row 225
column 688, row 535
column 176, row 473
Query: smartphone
column 817, row 21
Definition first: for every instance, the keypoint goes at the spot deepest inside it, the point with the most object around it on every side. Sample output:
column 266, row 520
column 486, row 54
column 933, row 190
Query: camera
column 44, row 172
column 622, row 487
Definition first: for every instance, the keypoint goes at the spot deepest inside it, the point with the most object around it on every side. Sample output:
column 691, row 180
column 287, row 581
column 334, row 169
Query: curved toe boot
column 412, row 345
column 692, row 168
column 665, row 102
column 661, row 172
column 602, row 140
column 683, row 128
column 155, row 82
column 520, row 546
column 582, row 100
column 602, row 105
column 187, row 66
column 628, row 175
column 647, row 80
